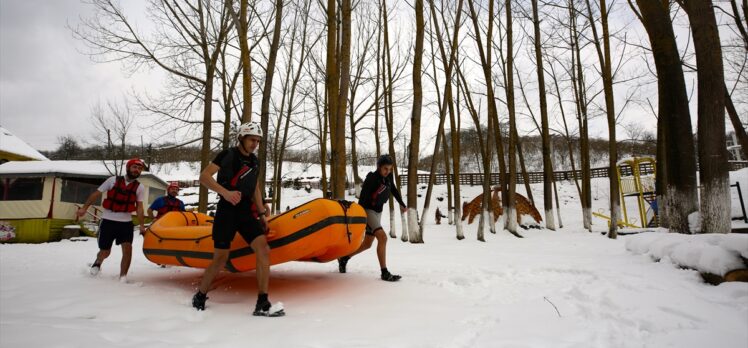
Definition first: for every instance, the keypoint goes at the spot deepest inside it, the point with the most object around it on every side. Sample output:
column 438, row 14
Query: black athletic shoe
column 343, row 263
column 389, row 277
column 198, row 301
column 264, row 308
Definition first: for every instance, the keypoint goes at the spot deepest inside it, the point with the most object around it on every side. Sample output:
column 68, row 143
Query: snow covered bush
column 706, row 253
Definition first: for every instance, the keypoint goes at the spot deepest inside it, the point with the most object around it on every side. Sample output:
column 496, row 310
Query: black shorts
column 231, row 219
column 109, row 231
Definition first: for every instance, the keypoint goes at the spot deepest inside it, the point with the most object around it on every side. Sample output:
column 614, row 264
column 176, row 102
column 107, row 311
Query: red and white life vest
column 122, row 198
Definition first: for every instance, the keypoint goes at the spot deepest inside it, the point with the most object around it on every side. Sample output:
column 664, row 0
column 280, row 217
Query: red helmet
column 174, row 185
column 135, row 161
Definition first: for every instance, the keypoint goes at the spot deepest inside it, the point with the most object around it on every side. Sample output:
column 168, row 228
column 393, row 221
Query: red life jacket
column 170, row 204
column 122, row 198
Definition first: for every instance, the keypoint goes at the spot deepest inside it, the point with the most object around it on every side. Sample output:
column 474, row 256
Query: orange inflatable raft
column 320, row 231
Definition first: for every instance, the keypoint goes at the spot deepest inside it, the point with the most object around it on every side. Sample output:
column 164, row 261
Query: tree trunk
column 510, row 213
column 378, row 79
column 242, row 28
column 227, row 94
column 737, row 125
column 389, row 119
column 492, row 109
column 555, row 195
column 580, row 96
column 275, row 149
column 713, row 170
column 567, row 135
column 679, row 196
column 603, row 54
column 738, row 22
column 332, row 79
column 202, row 205
column 210, row 60
column 323, row 150
column 525, row 176
column 267, row 91
column 354, row 153
column 291, row 94
column 443, row 104
column 546, row 136
column 486, row 203
column 415, row 128
column 450, row 200
column 345, row 73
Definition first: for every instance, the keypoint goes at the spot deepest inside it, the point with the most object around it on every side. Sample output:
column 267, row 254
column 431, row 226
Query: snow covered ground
column 564, row 288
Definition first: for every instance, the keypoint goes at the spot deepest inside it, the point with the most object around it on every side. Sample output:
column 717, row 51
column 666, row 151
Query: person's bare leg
column 381, row 247
column 262, row 253
column 368, row 241
column 126, row 259
column 101, row 256
column 219, row 260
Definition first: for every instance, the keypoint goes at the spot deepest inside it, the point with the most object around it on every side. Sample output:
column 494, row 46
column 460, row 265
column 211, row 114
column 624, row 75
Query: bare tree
column 114, row 123
column 603, row 55
column 300, row 15
column 713, row 171
column 545, row 133
column 580, row 96
column 228, row 81
column 359, row 79
column 493, row 113
column 344, row 66
column 566, row 134
column 736, row 124
column 510, row 213
column 454, row 136
column 678, row 165
column 485, row 155
column 415, row 128
column 241, row 23
column 68, row 146
column 389, row 118
column 187, row 49
column 268, row 89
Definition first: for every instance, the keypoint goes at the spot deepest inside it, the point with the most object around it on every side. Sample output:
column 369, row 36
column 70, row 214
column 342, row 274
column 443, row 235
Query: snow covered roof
column 13, row 144
column 89, row 169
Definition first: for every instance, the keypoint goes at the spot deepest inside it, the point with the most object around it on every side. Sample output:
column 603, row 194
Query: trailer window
column 77, row 191
column 21, row 189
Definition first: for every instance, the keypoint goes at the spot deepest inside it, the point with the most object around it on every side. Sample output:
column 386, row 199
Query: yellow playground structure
column 636, row 180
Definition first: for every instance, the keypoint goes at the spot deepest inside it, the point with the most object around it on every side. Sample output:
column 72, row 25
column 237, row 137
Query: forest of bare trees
column 447, row 86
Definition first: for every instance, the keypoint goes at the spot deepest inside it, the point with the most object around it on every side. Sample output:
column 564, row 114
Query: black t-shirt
column 238, row 172
column 376, row 191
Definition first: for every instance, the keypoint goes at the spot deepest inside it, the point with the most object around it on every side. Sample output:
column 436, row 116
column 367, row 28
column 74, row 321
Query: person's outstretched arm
column 396, row 193
column 93, row 197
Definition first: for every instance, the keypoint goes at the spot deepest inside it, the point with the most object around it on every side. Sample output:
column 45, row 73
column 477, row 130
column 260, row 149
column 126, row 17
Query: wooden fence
column 473, row 179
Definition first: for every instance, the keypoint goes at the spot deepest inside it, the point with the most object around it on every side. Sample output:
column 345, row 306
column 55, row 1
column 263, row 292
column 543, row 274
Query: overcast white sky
column 47, row 86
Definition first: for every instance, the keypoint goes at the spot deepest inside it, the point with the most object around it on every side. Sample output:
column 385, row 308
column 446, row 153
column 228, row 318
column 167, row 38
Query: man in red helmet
column 124, row 196
column 165, row 204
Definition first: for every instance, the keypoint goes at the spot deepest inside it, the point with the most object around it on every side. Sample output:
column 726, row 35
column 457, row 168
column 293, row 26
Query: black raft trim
column 277, row 243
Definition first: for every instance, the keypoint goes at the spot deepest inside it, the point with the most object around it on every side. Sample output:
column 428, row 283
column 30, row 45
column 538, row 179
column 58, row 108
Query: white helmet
column 249, row 128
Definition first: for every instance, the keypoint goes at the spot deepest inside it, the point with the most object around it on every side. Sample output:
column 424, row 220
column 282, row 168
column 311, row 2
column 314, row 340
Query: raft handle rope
column 345, row 205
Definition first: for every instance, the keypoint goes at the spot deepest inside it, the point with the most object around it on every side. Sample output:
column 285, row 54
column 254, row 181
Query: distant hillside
column 470, row 153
